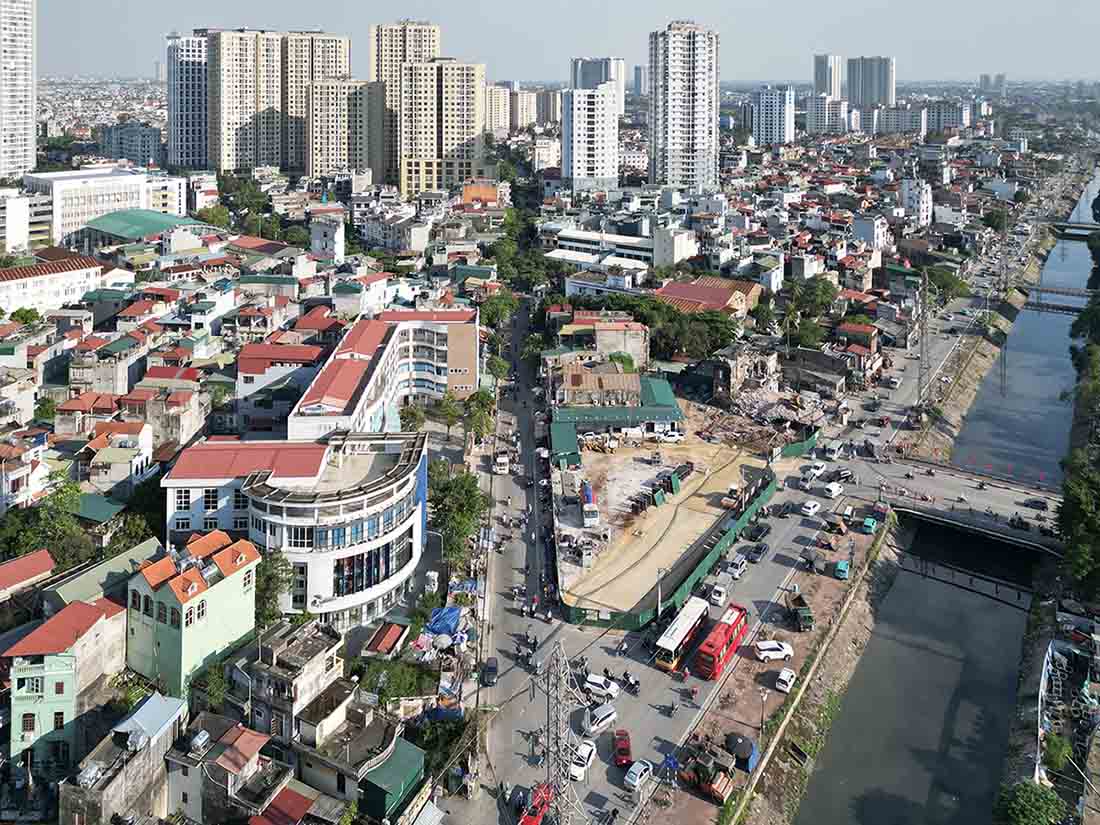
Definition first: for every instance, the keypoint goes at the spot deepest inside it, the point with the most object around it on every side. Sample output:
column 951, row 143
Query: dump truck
column 710, row 771
column 800, row 612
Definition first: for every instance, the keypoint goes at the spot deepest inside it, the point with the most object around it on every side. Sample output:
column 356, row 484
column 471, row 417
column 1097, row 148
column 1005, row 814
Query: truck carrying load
column 501, row 463
column 800, row 611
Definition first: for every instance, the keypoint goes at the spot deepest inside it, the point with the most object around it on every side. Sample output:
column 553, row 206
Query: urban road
column 518, row 706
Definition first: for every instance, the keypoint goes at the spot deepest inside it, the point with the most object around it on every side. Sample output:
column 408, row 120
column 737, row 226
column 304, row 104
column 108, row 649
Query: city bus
column 721, row 643
column 676, row 640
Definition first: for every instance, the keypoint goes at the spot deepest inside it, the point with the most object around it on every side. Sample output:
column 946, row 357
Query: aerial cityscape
column 650, row 442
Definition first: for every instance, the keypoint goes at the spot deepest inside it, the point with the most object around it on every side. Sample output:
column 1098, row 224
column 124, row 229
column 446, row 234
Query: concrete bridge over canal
column 1072, row 230
column 1037, row 298
column 968, row 500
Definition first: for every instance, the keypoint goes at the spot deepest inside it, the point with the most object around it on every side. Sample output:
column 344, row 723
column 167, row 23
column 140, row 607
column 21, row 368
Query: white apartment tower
column 773, row 115
column 307, row 57
column 441, row 120
column 498, row 109
column 524, row 110
column 872, row 81
column 337, row 131
column 18, row 90
column 591, row 72
column 826, row 115
column 187, row 103
column 916, row 198
column 827, row 75
column 393, row 45
column 683, row 105
column 245, row 99
column 590, row 138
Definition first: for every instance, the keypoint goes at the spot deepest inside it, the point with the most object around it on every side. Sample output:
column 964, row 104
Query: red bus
column 721, row 643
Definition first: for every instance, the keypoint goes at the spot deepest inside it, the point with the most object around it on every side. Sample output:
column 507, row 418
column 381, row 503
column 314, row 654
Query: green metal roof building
column 658, row 406
column 108, row 578
column 563, row 444
column 386, row 788
column 130, row 225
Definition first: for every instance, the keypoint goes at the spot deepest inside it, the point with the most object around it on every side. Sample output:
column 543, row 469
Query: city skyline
column 487, row 31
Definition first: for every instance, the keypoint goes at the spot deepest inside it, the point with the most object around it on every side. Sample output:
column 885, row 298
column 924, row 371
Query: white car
column 816, row 469
column 601, row 686
column 671, row 437
column 639, row 772
column 810, row 508
column 833, row 490
column 785, row 680
column 769, row 651
column 738, row 566
column 582, row 760
column 718, row 595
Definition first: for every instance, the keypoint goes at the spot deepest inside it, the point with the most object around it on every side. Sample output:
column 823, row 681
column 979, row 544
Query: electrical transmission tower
column 562, row 696
column 924, row 388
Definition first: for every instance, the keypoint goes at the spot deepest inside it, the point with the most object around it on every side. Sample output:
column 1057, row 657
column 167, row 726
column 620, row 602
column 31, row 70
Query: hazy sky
column 761, row 39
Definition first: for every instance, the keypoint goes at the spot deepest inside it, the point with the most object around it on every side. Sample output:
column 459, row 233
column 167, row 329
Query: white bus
column 675, row 641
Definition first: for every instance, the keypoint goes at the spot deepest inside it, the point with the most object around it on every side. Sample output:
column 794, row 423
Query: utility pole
column 562, row 698
column 925, row 369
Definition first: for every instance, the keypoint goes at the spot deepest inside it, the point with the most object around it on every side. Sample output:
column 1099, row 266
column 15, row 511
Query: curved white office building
column 349, row 514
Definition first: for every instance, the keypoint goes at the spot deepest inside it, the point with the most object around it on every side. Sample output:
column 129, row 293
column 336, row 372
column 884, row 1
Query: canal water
column 1018, row 425
column 922, row 731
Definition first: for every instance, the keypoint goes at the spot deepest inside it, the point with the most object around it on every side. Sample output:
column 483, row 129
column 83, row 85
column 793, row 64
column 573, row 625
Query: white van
column 833, row 490
column 602, row 718
column 832, row 451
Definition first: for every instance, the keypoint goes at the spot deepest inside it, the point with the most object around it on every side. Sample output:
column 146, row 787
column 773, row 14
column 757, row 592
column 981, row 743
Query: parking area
column 654, row 729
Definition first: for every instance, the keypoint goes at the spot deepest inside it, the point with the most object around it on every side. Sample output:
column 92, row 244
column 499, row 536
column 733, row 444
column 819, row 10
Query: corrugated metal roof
column 135, row 224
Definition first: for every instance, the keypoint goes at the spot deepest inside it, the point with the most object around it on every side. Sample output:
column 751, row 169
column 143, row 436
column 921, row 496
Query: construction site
column 655, row 503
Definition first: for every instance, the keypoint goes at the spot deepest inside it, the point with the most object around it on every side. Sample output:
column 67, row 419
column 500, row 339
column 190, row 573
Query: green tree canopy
column 216, row 215
column 26, row 315
column 448, row 410
column 273, row 577
column 412, row 418
column 497, row 309
column 1028, row 803
column 456, row 506
column 497, row 367
column 996, row 219
column 45, row 409
column 298, row 236
column 764, row 314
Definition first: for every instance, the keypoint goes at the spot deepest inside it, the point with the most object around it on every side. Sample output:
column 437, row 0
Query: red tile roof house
column 24, row 572
column 56, row 676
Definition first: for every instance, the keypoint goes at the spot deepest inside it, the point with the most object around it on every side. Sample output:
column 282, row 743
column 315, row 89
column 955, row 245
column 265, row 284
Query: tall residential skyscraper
column 683, row 108
column 337, row 130
column 307, row 57
column 548, row 106
column 524, row 110
column 590, row 72
column 498, row 109
column 441, row 118
column 871, row 81
column 391, row 46
column 245, row 94
column 18, row 89
column 187, row 101
column 641, row 81
column 773, row 115
column 590, row 137
column 827, row 75
column 826, row 115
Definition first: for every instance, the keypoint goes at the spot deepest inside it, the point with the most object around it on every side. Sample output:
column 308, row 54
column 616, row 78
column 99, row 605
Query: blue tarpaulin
column 444, row 620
